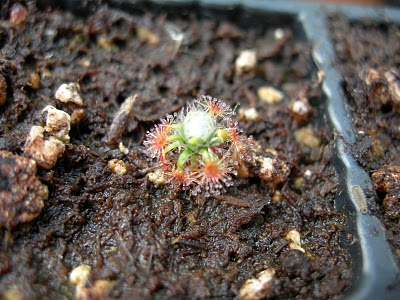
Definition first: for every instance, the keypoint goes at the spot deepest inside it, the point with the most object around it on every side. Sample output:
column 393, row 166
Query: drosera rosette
column 199, row 148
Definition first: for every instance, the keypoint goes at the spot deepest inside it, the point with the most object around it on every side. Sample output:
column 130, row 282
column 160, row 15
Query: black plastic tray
column 375, row 271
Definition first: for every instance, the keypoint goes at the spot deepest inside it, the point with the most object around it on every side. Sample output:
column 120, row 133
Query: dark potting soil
column 368, row 55
column 147, row 241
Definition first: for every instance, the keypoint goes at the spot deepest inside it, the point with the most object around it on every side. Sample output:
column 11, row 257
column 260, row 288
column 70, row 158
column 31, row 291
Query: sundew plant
column 200, row 147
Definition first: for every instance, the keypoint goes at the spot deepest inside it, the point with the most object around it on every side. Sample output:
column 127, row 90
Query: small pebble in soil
column 294, row 237
column 371, row 76
column 77, row 116
column 157, row 177
column 21, row 192
column 176, row 35
column 117, row 166
column 18, row 15
column 377, row 87
column 243, row 171
column 279, row 34
column 80, row 275
column 393, row 79
column 57, row 123
column 272, row 170
column 246, row 61
column 93, row 292
column 123, row 149
column 249, row 114
column 147, row 36
column 12, row 294
column 105, row 43
column 269, row 95
column 308, row 174
column 69, row 92
column 258, row 288
column 3, row 90
column 277, row 196
column 44, row 151
column 320, row 76
column 34, row 80
column 300, row 110
column 298, row 183
column 384, row 87
column 46, row 73
column 307, row 137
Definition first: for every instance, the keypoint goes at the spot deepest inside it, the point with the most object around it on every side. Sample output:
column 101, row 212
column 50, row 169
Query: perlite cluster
column 200, row 147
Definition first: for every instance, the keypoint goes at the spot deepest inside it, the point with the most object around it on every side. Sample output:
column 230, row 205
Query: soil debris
column 301, row 110
column 246, row 61
column 69, row 92
column 19, row 15
column 21, row 192
column 387, row 181
column 306, row 136
column 121, row 119
column 294, row 237
column 45, row 151
column 249, row 114
column 272, row 170
column 387, row 178
column 117, row 166
column 57, row 123
column 258, row 288
column 3, row 90
column 80, row 275
column 269, row 95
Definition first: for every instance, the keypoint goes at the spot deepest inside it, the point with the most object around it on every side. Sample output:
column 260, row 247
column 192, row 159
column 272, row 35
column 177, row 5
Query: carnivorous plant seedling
column 200, row 147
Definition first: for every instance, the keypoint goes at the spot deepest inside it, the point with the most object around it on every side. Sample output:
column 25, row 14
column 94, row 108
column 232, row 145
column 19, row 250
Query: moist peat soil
column 147, row 241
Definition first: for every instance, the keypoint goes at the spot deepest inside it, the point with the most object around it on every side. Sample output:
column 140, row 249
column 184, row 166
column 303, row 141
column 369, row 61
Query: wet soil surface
column 368, row 55
column 143, row 241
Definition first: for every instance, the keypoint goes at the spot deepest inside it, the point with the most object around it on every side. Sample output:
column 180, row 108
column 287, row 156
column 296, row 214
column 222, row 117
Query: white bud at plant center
column 198, row 124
